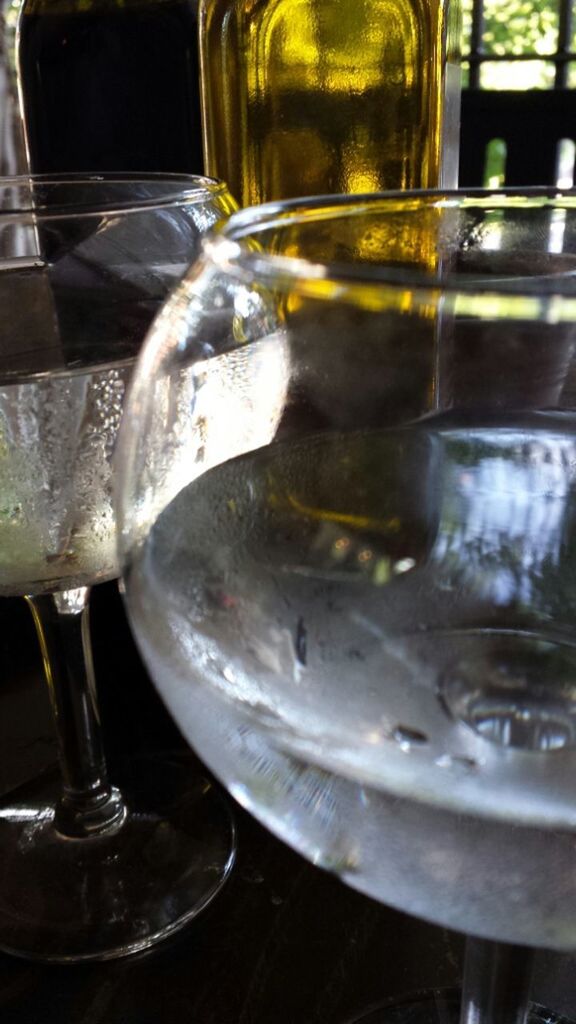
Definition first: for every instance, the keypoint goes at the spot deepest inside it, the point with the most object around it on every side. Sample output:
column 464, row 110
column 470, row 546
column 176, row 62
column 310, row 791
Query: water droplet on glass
column 407, row 737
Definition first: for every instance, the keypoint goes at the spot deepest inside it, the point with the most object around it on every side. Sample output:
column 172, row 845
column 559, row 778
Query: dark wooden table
column 283, row 944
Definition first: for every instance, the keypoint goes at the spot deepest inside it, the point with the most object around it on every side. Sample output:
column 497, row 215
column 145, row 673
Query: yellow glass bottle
column 302, row 97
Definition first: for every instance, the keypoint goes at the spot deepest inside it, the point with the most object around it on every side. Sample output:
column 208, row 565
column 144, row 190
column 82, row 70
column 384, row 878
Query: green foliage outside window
column 516, row 27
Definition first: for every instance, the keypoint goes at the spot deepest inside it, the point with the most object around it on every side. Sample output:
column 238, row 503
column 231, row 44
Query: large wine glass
column 357, row 593
column 87, row 871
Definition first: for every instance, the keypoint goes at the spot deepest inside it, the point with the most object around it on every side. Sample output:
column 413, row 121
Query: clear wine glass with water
column 87, row 871
column 357, row 593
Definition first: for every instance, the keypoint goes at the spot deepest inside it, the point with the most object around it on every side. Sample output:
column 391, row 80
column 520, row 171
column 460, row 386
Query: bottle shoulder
column 330, row 17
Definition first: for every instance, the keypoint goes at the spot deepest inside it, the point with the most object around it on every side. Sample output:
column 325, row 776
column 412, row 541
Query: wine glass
column 87, row 871
column 356, row 593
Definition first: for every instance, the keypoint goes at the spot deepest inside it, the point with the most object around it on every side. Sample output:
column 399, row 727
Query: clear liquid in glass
column 369, row 636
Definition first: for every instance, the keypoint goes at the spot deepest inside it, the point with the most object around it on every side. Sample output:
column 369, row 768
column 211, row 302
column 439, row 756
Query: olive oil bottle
column 302, row 97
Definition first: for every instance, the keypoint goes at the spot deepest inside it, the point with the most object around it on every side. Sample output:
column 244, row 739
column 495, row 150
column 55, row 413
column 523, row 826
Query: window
column 519, row 99
column 519, row 44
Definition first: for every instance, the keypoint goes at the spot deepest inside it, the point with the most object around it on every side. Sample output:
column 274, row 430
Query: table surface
column 284, row 943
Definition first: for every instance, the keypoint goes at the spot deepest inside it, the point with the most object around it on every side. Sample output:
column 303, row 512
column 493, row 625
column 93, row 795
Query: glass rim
column 180, row 189
column 234, row 245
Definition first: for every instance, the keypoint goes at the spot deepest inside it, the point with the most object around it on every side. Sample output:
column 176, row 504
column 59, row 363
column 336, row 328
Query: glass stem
column 89, row 805
column 496, row 985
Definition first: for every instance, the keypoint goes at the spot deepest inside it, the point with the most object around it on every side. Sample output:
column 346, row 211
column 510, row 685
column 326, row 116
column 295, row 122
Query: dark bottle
column 111, row 85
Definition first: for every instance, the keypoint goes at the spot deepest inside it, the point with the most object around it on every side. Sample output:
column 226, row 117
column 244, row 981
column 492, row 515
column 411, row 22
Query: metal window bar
column 564, row 56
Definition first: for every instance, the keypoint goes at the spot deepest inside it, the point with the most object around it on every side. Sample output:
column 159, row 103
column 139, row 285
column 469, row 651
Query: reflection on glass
column 505, row 512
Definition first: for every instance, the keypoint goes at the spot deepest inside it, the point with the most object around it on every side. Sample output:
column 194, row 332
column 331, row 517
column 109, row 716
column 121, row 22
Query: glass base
column 441, row 1006
column 66, row 900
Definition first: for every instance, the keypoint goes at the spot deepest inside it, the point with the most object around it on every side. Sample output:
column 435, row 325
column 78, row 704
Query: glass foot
column 441, row 1006
column 66, row 900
